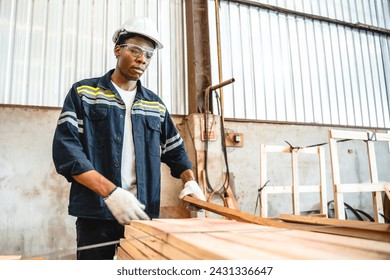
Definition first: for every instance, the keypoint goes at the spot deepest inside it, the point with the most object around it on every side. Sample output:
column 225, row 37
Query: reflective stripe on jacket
column 89, row 136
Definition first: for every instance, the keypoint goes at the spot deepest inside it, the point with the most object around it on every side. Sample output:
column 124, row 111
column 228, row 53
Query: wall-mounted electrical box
column 210, row 127
column 234, row 139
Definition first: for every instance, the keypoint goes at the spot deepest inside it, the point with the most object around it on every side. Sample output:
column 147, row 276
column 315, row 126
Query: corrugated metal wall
column 296, row 69
column 46, row 45
column 286, row 67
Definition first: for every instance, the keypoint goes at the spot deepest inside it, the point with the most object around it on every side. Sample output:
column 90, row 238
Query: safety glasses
column 137, row 51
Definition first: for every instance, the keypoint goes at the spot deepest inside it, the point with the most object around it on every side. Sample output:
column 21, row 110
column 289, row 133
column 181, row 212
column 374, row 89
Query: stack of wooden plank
column 210, row 238
column 360, row 229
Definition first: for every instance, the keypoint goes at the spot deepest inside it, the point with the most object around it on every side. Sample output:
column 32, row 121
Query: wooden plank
column 376, row 196
column 352, row 246
column 362, row 187
column 167, row 236
column 359, row 248
column 228, row 248
column 360, row 229
column 288, row 243
column 323, row 191
column 10, row 257
column 373, row 249
column 167, row 250
column 387, row 191
column 34, row 258
column 303, row 248
column 139, row 250
column 230, row 239
column 295, row 183
column 246, row 217
column 276, row 149
column 274, row 244
column 357, row 135
column 232, row 213
column 288, row 189
column 263, row 181
column 132, row 250
column 346, row 231
column 287, row 149
column 123, row 255
column 335, row 164
column 205, row 246
column 372, row 226
column 210, row 225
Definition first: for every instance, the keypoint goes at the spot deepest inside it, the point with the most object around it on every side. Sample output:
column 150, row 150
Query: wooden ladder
column 295, row 189
column 375, row 187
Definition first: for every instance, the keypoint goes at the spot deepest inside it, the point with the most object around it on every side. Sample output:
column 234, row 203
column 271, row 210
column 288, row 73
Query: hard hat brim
column 122, row 31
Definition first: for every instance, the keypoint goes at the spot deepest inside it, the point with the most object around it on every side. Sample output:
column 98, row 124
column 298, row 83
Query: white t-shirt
column 128, row 155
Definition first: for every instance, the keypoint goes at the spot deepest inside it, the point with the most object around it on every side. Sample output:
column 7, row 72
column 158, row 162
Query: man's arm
column 95, row 182
column 187, row 175
column 122, row 204
column 191, row 187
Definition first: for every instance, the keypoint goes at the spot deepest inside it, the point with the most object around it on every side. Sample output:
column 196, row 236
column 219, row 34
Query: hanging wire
column 225, row 184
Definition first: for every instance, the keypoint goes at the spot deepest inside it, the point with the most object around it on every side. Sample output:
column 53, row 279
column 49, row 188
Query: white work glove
column 125, row 206
column 192, row 188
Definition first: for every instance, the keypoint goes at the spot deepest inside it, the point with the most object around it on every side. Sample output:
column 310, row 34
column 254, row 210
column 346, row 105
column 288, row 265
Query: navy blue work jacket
column 89, row 136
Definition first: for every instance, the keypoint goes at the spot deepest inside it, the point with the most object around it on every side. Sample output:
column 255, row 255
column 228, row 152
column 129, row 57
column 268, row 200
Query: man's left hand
column 192, row 188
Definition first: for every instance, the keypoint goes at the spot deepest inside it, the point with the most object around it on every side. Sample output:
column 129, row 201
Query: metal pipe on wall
column 219, row 54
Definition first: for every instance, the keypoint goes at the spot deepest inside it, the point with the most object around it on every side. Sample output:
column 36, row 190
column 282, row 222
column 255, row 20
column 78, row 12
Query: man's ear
column 117, row 50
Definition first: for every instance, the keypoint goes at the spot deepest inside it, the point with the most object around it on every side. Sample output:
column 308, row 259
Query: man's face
column 133, row 58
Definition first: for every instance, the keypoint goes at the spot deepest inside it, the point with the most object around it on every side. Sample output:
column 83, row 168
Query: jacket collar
column 142, row 92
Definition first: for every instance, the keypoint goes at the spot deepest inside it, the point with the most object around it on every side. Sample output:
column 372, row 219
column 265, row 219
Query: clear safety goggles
column 137, row 51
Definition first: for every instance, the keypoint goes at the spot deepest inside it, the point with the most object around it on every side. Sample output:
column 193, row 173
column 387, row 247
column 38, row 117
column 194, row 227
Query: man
column 110, row 140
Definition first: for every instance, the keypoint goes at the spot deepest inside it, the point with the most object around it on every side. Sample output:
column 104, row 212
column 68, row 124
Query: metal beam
column 358, row 25
column 198, row 53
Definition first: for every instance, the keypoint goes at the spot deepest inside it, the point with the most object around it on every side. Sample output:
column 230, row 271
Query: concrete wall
column 34, row 198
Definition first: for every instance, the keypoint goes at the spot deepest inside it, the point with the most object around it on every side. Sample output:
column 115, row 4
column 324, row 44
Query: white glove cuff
column 108, row 196
column 192, row 188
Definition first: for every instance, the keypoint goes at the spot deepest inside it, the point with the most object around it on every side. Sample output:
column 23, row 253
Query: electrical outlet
column 234, row 139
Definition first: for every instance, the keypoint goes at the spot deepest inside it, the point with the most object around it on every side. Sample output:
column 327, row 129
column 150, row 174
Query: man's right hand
column 125, row 206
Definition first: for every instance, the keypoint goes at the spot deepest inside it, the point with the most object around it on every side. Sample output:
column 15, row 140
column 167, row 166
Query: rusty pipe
column 214, row 87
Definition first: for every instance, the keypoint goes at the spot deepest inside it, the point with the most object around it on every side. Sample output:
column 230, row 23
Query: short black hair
column 122, row 39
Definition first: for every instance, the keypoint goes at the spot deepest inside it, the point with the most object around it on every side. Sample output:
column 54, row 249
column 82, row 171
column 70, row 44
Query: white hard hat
column 139, row 25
